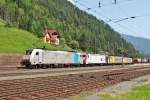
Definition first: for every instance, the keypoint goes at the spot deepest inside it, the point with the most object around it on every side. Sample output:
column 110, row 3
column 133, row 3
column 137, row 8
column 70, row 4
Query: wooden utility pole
column 95, row 44
column 18, row 2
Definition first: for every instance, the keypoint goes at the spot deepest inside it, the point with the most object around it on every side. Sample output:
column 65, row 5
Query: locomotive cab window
column 37, row 53
column 28, row 52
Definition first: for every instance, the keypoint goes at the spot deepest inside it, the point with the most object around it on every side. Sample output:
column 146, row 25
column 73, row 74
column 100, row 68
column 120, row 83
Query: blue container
column 76, row 58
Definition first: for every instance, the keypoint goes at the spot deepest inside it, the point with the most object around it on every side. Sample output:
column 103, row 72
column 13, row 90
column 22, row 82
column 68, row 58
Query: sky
column 139, row 26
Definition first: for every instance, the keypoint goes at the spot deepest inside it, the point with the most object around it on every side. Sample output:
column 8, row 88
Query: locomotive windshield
column 28, row 52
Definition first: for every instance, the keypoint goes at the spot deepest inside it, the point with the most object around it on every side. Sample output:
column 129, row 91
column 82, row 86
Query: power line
column 132, row 17
column 110, row 19
column 116, row 20
column 90, row 9
column 145, row 15
column 100, row 4
column 126, row 14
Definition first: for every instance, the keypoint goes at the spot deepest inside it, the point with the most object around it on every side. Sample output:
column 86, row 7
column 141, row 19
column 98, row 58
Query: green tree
column 74, row 44
column 62, row 41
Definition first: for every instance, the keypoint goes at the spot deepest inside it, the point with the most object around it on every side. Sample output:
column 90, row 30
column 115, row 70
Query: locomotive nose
column 25, row 60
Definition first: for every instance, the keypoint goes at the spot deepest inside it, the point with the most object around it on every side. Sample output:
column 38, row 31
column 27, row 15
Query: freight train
column 41, row 58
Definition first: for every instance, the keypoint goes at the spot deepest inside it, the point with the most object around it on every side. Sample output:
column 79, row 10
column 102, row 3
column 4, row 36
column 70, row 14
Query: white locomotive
column 45, row 58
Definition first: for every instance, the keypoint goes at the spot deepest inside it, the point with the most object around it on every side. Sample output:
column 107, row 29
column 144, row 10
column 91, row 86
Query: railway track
column 63, row 86
column 21, row 74
column 19, row 67
column 5, row 68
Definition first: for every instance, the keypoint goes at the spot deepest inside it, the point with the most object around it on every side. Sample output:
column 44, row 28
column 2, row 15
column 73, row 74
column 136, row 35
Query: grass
column 138, row 93
column 2, row 22
column 13, row 40
column 81, row 96
column 77, row 98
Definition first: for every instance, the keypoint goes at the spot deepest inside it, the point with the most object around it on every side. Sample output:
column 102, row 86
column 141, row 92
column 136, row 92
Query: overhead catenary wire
column 90, row 9
column 106, row 17
column 100, row 3
column 115, row 20
column 131, row 17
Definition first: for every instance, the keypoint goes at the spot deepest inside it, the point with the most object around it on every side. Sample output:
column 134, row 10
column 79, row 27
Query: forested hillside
column 78, row 29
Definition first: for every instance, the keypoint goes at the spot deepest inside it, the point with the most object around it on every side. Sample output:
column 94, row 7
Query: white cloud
column 72, row 1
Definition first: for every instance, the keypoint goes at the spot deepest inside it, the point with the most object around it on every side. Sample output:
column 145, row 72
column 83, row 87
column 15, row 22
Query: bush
column 62, row 41
column 74, row 44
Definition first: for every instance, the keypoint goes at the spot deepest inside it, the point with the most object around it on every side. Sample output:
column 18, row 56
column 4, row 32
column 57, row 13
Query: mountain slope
column 13, row 40
column 141, row 44
column 78, row 29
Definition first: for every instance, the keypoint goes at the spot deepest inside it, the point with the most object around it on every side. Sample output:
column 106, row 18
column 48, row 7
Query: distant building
column 51, row 36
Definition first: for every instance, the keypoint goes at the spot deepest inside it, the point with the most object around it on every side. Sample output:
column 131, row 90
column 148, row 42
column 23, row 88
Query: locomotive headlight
column 26, row 57
column 25, row 60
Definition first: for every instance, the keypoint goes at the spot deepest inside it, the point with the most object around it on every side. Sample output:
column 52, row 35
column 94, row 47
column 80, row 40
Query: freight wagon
column 96, row 59
column 127, row 60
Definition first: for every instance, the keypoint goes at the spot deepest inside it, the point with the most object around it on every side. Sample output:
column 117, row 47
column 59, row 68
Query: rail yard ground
column 135, row 89
column 57, row 84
